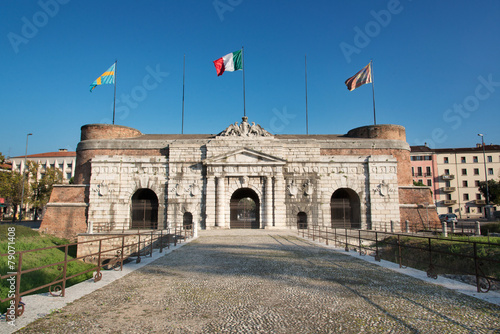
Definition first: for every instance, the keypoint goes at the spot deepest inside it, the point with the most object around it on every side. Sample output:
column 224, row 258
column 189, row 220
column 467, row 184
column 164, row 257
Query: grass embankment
column 448, row 256
column 28, row 239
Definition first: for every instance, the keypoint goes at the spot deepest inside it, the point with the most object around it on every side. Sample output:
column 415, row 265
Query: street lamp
column 485, row 178
column 24, row 175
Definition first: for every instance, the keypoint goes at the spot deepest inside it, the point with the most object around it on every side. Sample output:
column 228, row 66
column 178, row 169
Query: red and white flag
column 362, row 77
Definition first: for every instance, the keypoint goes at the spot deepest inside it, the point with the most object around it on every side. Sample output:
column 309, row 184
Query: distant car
column 448, row 217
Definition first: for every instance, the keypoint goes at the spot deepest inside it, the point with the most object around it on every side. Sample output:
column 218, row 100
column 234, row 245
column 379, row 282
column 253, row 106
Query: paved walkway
column 258, row 281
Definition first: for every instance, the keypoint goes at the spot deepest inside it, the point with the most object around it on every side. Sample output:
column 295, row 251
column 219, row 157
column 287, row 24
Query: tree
column 2, row 158
column 493, row 189
column 11, row 189
column 42, row 188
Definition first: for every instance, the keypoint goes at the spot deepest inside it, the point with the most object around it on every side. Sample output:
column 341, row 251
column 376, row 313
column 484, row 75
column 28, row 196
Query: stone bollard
column 445, row 230
column 453, row 226
column 478, row 228
column 407, row 226
column 392, row 226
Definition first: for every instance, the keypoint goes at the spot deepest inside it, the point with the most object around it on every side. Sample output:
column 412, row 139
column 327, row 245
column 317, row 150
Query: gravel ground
column 258, row 281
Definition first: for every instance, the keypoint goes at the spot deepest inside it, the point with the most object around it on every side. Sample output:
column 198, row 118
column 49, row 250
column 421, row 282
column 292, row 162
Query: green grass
column 448, row 256
column 27, row 239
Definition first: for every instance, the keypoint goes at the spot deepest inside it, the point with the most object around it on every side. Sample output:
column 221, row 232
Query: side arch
column 345, row 209
column 144, row 209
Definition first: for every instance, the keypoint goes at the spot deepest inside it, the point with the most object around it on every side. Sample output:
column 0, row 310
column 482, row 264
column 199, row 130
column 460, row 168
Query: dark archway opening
column 145, row 209
column 187, row 221
column 302, row 220
column 345, row 209
column 244, row 209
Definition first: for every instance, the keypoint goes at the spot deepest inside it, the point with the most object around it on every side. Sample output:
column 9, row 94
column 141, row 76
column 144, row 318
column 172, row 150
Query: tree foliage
column 11, row 188
column 40, row 189
column 493, row 189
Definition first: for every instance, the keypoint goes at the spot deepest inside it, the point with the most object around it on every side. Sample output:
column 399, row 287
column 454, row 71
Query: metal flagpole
column 183, row 84
column 307, row 121
column 243, row 64
column 114, row 100
column 373, row 92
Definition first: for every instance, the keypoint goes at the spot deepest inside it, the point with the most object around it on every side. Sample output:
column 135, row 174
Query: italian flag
column 230, row 62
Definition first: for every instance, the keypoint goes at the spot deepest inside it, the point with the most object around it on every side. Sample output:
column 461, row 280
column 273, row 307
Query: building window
column 490, row 171
column 465, row 184
column 429, row 183
column 420, row 181
column 474, row 159
column 463, row 160
column 490, row 158
column 476, row 183
column 68, row 176
column 446, row 160
column 428, row 171
column 428, row 157
column 446, row 172
column 464, row 171
column 448, row 184
column 480, row 209
column 413, row 171
column 466, row 197
column 478, row 196
column 476, row 171
column 52, row 166
column 61, row 166
column 450, row 210
column 448, row 197
column 467, row 209
column 419, row 171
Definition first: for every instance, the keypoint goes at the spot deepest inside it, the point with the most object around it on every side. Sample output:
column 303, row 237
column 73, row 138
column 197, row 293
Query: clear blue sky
column 436, row 67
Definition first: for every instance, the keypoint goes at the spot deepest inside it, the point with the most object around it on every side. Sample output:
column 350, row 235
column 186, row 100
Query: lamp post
column 24, row 174
column 485, row 178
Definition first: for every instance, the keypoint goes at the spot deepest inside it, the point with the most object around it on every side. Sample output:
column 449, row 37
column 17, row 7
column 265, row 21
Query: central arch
column 345, row 209
column 244, row 209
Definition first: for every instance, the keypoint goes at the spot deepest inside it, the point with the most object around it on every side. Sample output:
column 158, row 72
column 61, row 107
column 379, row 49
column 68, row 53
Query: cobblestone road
column 268, row 282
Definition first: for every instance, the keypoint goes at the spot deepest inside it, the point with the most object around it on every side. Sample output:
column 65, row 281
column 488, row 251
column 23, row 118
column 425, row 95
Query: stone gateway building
column 243, row 177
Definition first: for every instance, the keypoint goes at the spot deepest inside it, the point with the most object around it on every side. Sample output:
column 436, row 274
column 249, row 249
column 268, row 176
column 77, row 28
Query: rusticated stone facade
column 165, row 181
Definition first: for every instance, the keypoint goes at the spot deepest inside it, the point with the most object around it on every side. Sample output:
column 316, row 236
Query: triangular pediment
column 244, row 156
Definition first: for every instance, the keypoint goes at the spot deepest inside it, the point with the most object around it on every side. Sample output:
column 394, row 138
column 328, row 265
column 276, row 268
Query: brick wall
column 414, row 209
column 66, row 213
column 108, row 131
column 382, row 131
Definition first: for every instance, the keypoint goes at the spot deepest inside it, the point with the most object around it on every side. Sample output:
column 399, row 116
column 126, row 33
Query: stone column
column 210, row 203
column 268, row 187
column 220, row 202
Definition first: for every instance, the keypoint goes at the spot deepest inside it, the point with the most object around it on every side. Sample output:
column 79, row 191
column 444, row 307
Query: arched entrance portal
column 345, row 208
column 244, row 209
column 187, row 220
column 145, row 209
column 302, row 220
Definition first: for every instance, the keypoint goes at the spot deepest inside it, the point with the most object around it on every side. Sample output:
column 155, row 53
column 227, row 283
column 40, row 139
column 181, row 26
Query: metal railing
column 419, row 250
column 107, row 255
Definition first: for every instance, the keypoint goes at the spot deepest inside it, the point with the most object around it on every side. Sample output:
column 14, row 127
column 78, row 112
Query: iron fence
column 110, row 253
column 435, row 255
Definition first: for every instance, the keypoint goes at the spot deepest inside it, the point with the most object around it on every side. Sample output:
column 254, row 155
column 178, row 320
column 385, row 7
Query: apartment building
column 454, row 175
column 63, row 159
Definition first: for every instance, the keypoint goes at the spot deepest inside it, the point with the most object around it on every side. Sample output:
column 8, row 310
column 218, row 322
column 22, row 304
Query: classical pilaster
column 268, row 222
column 220, row 202
column 279, row 201
column 210, row 203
